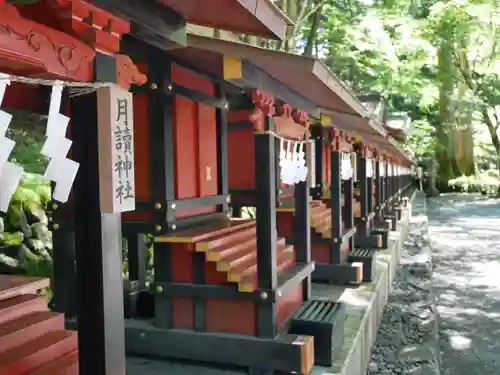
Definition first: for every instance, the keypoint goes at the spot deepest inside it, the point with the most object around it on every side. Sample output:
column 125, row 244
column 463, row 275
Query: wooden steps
column 32, row 339
column 322, row 223
column 232, row 246
column 65, row 365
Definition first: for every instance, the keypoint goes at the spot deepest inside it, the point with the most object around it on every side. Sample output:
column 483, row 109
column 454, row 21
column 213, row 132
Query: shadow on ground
column 465, row 235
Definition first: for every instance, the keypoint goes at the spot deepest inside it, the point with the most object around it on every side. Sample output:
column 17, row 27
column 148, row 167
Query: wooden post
column 63, row 242
column 347, row 213
column 363, row 190
column 98, row 242
column 378, row 190
column 336, row 199
column 221, row 123
column 302, row 228
column 369, row 187
column 162, row 177
column 317, row 135
column 265, row 184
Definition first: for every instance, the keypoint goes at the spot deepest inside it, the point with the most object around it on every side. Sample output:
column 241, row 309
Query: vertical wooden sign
column 116, row 150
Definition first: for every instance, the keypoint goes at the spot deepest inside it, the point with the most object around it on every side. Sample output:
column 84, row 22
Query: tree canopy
column 437, row 61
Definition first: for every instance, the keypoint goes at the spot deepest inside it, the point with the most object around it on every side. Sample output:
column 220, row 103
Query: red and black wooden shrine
column 224, row 289
column 333, row 232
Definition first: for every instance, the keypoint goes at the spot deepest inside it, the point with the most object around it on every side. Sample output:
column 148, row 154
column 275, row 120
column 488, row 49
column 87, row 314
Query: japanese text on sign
column 116, row 150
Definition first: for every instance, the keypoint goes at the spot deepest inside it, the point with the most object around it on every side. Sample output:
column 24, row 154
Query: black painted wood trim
column 336, row 210
column 265, row 183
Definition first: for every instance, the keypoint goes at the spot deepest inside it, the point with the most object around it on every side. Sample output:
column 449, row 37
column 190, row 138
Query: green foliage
column 28, row 131
column 486, row 182
column 25, row 241
column 437, row 61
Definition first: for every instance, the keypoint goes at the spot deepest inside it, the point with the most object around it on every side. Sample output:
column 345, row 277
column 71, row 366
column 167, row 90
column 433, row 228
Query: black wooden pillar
column 137, row 259
column 64, row 267
column 336, row 201
column 265, row 184
column 98, row 244
column 369, row 187
column 302, row 227
column 378, row 190
column 387, row 192
column 63, row 281
column 161, row 172
column 137, row 254
column 393, row 182
column 221, row 123
column 363, row 191
column 389, row 183
column 317, row 135
column 347, row 213
column 398, row 181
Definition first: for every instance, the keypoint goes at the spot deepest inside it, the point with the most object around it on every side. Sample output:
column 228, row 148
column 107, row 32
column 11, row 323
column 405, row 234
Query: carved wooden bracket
column 36, row 49
column 99, row 29
column 257, row 119
column 361, row 149
column 288, row 128
column 263, row 102
column 286, row 124
column 128, row 74
column 301, row 117
column 340, row 141
column 285, row 110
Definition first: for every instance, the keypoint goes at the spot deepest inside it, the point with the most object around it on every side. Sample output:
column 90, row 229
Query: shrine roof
column 370, row 129
column 163, row 23
column 303, row 82
column 305, row 75
column 398, row 123
column 252, row 17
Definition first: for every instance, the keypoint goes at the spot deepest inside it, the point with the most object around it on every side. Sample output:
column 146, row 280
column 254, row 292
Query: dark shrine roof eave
column 337, row 86
column 300, row 73
column 252, row 17
column 355, row 123
column 256, row 78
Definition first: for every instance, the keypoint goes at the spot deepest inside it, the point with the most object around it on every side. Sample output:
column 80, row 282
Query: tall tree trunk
column 432, row 168
column 446, row 80
column 292, row 12
column 493, row 128
column 313, row 33
column 463, row 132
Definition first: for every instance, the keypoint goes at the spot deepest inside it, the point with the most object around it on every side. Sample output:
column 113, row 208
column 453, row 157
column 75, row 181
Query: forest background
column 437, row 61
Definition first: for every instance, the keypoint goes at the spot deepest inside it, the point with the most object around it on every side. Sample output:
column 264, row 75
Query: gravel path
column 465, row 233
column 407, row 341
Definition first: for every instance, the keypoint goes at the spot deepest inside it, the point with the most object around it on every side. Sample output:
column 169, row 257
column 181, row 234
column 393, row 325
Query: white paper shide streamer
column 346, row 170
column 369, row 168
column 61, row 170
column 381, row 168
column 10, row 174
column 293, row 168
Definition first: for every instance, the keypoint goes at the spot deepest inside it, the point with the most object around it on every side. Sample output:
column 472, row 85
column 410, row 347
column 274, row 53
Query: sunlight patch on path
column 465, row 237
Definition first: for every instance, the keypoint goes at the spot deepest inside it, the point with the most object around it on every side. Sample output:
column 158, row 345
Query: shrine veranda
column 154, row 131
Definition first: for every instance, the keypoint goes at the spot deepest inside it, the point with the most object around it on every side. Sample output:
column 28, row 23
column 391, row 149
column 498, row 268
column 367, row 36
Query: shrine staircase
column 331, row 268
column 32, row 339
column 233, row 250
column 321, row 221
